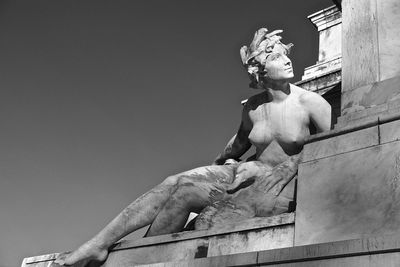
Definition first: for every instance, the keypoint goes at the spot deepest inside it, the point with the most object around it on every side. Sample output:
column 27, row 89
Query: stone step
column 251, row 235
column 383, row 251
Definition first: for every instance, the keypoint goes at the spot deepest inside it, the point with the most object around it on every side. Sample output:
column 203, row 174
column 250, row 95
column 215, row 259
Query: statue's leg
column 197, row 189
column 249, row 202
column 144, row 210
column 224, row 212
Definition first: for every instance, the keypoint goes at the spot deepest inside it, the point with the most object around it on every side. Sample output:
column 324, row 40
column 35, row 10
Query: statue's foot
column 81, row 256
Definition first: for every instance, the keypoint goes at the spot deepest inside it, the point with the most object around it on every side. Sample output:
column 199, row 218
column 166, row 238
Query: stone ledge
column 247, row 225
column 249, row 235
column 321, row 84
column 346, row 142
column 371, row 121
column 383, row 250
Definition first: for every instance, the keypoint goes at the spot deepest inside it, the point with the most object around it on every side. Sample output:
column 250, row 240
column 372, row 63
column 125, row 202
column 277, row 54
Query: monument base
column 251, row 235
column 371, row 252
column 349, row 180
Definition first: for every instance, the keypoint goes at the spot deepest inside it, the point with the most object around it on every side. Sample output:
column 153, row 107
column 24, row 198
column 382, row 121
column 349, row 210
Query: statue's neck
column 277, row 90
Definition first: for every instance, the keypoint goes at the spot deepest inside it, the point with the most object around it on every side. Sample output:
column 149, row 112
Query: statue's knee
column 178, row 180
column 172, row 180
column 184, row 182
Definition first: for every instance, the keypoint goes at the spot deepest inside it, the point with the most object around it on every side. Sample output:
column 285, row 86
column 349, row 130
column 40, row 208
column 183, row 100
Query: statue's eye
column 275, row 56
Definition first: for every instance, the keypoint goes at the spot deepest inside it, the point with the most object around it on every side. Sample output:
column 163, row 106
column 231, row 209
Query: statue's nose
column 288, row 62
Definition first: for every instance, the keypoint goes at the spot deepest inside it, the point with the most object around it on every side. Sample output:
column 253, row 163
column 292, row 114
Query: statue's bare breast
column 279, row 129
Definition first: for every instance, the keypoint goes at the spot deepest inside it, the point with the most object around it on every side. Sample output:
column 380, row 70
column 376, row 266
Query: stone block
column 370, row 95
column 363, row 117
column 322, row 69
column 321, row 84
column 390, row 132
column 240, row 259
column 349, row 195
column 388, row 29
column 370, row 251
column 387, row 260
column 394, row 104
column 341, row 144
column 180, row 249
column 186, row 249
column 279, row 237
column 359, row 23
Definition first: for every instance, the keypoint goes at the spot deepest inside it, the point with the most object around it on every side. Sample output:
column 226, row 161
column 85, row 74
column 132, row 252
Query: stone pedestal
column 249, row 236
column 349, row 183
column 349, row 180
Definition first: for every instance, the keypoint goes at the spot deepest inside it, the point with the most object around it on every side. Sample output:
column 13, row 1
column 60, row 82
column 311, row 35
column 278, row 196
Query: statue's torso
column 279, row 129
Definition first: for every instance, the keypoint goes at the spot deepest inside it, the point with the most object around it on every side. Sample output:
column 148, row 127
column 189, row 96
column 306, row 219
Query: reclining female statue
column 275, row 121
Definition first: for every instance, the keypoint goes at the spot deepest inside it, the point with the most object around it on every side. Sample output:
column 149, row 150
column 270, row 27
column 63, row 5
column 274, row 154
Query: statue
column 275, row 121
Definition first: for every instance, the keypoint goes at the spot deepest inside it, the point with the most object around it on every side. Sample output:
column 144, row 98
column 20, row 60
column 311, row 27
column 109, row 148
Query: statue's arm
column 239, row 143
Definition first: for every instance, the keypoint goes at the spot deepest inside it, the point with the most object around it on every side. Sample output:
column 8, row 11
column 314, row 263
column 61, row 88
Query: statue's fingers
column 216, row 189
column 233, row 185
column 271, row 184
column 278, row 188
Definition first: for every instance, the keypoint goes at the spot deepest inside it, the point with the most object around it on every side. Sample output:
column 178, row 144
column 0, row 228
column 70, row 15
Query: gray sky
column 101, row 100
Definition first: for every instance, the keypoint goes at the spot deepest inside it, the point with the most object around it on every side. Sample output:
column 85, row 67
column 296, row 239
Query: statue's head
column 266, row 58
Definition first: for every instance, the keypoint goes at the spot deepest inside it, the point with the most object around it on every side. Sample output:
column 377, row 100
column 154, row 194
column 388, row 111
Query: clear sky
column 101, row 100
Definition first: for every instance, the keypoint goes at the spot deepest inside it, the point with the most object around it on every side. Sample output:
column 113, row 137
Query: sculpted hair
column 263, row 42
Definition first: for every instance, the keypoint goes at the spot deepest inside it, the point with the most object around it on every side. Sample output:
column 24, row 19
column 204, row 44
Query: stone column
column 371, row 57
column 349, row 180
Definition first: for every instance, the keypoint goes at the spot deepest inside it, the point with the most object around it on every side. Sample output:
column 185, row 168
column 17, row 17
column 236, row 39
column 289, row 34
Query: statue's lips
column 289, row 69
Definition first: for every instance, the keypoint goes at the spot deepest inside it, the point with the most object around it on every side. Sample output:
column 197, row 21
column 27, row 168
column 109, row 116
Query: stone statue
column 275, row 121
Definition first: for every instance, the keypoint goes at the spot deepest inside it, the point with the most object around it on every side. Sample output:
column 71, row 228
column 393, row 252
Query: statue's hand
column 245, row 175
column 277, row 179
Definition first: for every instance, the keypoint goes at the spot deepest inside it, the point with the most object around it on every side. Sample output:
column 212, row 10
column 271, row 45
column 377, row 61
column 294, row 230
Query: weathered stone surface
column 343, row 253
column 241, row 259
column 388, row 29
column 390, row 132
column 328, row 22
column 387, row 260
column 372, row 95
column 357, row 117
column 371, row 251
column 341, row 144
column 360, row 64
column 349, row 195
column 371, row 54
column 323, row 68
column 186, row 249
column 321, row 84
column 277, row 237
column 326, row 73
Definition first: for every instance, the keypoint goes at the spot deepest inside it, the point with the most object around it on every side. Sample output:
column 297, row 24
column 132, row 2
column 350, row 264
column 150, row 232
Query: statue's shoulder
column 307, row 97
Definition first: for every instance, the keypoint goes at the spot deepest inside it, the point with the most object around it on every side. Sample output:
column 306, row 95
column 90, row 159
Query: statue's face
column 277, row 65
